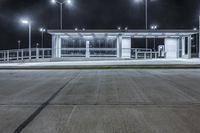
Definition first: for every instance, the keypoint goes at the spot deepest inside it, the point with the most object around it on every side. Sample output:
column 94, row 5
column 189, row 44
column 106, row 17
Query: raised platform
column 107, row 64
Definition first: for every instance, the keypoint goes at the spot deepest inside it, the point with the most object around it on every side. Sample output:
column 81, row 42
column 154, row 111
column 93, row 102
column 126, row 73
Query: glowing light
column 42, row 30
column 25, row 21
column 69, row 2
column 138, row 1
column 195, row 29
column 154, row 27
column 119, row 28
column 53, row 1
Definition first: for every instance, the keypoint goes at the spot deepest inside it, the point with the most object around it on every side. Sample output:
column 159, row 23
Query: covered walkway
column 118, row 43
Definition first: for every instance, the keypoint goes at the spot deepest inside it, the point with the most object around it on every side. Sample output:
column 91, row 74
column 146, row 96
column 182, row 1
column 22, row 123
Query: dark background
column 91, row 14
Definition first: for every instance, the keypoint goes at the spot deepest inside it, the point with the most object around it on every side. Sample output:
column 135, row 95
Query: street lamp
column 146, row 16
column 42, row 30
column 23, row 21
column 196, row 39
column 68, row 2
column 154, row 27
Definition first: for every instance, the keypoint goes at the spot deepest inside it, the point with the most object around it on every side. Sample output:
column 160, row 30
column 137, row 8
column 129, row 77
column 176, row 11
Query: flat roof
column 162, row 33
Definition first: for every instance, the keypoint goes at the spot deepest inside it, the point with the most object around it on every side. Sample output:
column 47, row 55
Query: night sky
column 91, row 14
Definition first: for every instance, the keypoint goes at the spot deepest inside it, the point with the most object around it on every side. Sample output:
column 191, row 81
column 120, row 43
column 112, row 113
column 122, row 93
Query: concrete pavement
column 100, row 101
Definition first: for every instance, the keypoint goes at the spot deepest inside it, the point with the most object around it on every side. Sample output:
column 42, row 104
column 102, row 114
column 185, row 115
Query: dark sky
column 91, row 14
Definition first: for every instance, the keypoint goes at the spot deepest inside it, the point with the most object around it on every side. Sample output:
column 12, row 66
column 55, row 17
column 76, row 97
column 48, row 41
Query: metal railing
column 23, row 54
column 145, row 54
column 39, row 53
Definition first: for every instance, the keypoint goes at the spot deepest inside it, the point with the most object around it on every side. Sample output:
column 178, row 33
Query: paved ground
column 100, row 101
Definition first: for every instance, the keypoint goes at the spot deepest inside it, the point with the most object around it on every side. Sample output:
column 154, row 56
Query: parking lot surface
column 100, row 101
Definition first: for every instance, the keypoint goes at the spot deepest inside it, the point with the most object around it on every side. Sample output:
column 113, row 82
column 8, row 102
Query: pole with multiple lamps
column 68, row 2
column 29, row 25
column 42, row 30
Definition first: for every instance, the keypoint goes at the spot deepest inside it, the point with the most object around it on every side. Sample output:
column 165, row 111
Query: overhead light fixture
column 53, row 1
column 25, row 21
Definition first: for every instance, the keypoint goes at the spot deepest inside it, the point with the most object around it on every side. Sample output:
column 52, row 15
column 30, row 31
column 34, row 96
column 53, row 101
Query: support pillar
column 56, row 47
column 183, row 47
column 119, row 41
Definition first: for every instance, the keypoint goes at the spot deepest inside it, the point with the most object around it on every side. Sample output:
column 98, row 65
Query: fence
column 23, row 54
column 145, row 54
column 39, row 53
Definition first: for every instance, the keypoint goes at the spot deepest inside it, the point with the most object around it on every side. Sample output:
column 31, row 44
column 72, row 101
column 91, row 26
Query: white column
column 183, row 47
column 126, row 47
column 87, row 49
column 119, row 41
column 171, row 47
column 56, row 47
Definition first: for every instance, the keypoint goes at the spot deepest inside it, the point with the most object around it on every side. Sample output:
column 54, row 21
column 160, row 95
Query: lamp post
column 42, row 30
column 196, row 39
column 29, row 25
column 146, row 17
column 68, row 2
column 154, row 27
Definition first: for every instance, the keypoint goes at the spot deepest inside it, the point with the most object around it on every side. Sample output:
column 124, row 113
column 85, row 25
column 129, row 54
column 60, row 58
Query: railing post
column 151, row 55
column 8, row 56
column 145, row 55
column 37, row 53
column 43, row 53
column 156, row 55
column 22, row 55
column 4, row 54
column 136, row 54
column 17, row 55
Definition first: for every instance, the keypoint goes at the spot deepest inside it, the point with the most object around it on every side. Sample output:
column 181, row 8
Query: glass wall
column 74, row 47
column 98, row 47
column 103, row 47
